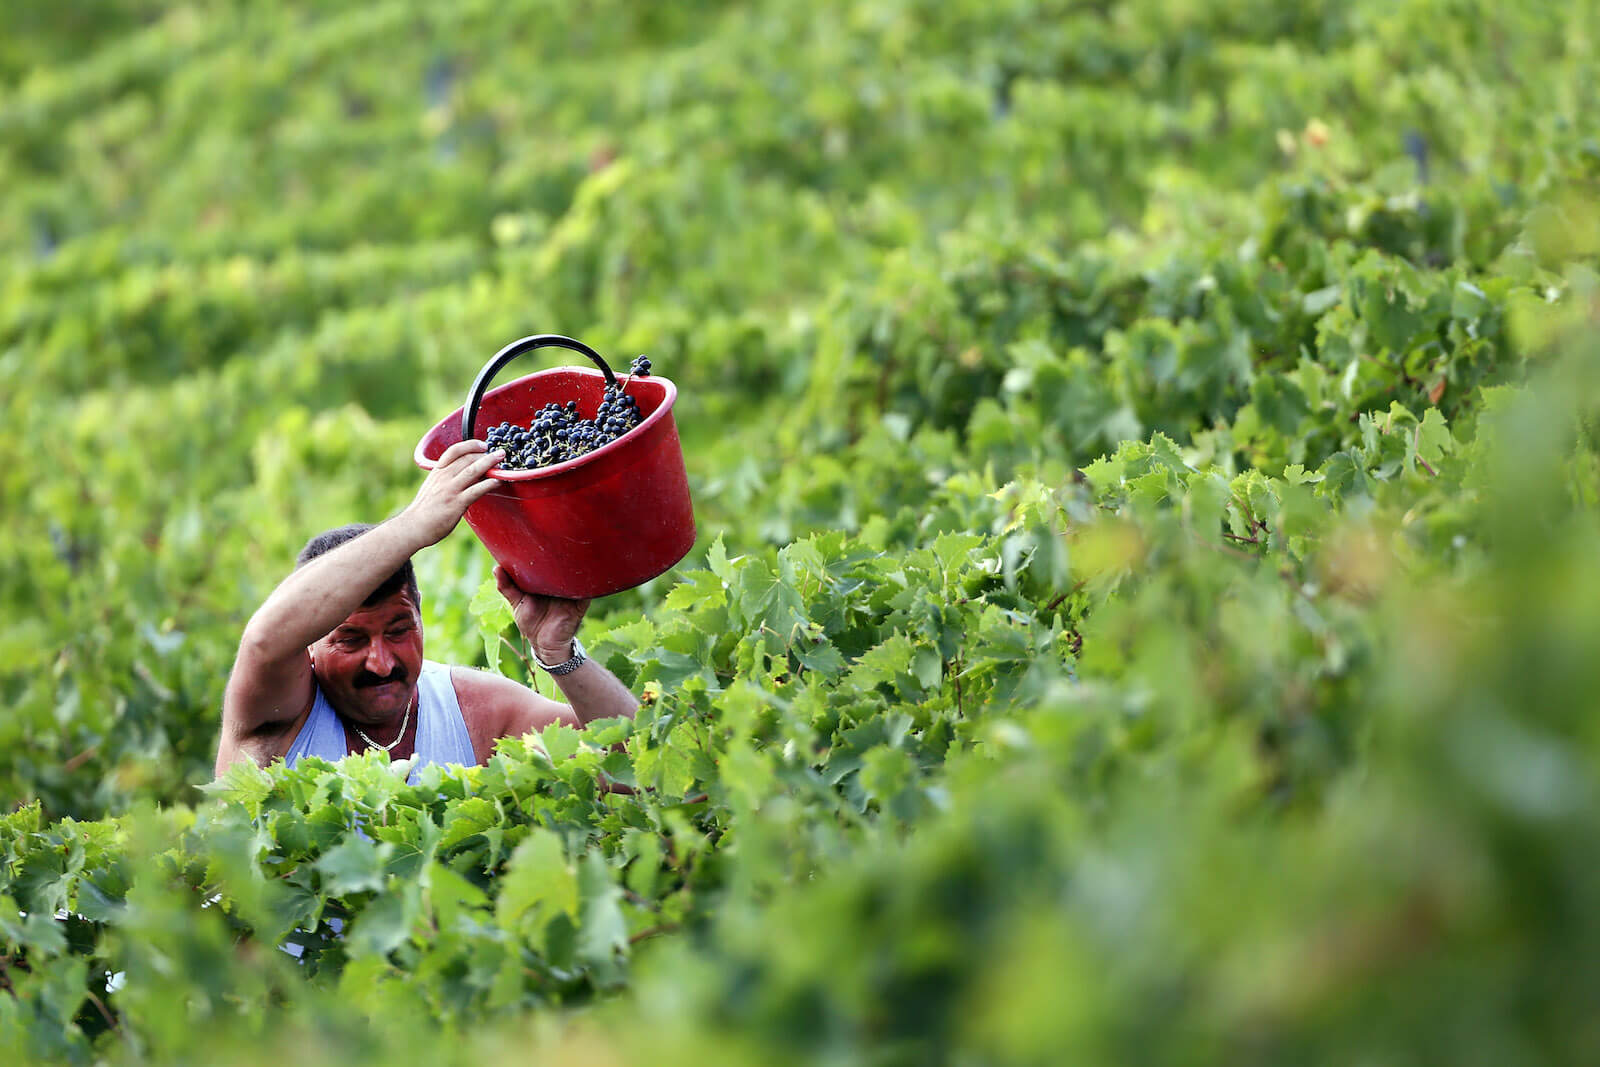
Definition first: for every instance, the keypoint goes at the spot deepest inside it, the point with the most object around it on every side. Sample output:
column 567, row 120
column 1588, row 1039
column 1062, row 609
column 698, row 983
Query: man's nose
column 380, row 660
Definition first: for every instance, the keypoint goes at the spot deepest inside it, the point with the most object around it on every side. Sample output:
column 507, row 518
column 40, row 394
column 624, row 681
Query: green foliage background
column 1146, row 463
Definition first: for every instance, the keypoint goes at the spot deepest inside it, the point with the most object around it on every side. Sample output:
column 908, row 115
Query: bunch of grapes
column 558, row 433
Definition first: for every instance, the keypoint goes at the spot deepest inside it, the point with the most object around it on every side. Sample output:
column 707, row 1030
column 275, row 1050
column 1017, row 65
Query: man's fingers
column 468, row 468
column 459, row 449
column 507, row 585
column 481, row 461
column 478, row 490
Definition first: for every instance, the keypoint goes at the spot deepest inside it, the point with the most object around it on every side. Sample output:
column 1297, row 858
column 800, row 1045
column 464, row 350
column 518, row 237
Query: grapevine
column 1142, row 456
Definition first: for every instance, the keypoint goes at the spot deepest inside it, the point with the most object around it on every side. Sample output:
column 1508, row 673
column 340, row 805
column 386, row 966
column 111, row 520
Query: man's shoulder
column 493, row 706
column 485, row 694
column 475, row 683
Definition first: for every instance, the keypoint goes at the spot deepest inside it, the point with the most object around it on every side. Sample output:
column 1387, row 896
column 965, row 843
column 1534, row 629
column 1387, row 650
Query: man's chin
column 376, row 705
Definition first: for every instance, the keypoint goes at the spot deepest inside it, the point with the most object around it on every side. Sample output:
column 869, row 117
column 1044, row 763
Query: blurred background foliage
column 1145, row 460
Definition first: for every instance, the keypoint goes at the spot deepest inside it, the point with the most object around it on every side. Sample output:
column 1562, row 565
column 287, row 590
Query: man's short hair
column 328, row 540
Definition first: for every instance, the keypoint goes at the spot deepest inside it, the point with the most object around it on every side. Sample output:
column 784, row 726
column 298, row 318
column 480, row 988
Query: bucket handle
column 469, row 413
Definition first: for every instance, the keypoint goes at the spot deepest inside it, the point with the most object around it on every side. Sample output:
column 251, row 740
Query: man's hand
column 592, row 691
column 459, row 479
column 548, row 622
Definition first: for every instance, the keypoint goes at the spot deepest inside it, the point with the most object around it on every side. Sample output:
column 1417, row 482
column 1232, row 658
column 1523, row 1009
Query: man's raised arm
column 551, row 627
column 271, row 680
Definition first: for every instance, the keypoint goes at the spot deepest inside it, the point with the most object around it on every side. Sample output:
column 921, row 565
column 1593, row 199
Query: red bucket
column 606, row 521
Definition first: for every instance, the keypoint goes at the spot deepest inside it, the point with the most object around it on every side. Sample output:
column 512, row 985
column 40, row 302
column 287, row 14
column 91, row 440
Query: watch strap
column 578, row 658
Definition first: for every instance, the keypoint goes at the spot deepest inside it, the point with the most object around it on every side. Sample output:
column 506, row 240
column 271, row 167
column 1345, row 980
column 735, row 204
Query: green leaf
column 602, row 732
column 471, row 816
column 451, row 897
column 953, row 548
column 1001, row 638
column 44, row 879
column 560, row 741
column 669, row 767
column 801, row 560
column 59, row 989
column 1279, row 402
column 1295, row 474
column 244, row 782
column 1105, row 473
column 1343, row 476
column 1204, row 503
column 886, row 771
column 1165, row 455
column 816, row 653
column 1467, row 301
column 1434, row 440
column 670, row 668
column 1319, row 300
column 882, row 663
column 355, row 865
column 1388, row 312
column 602, row 930
column 763, row 597
column 746, row 774
column 538, row 882
column 386, row 922
column 38, row 932
column 493, row 615
column 636, row 639
column 696, row 590
column 644, row 867
column 618, row 766
column 717, row 560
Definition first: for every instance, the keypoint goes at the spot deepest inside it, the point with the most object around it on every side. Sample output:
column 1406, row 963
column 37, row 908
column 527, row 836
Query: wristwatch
column 578, row 658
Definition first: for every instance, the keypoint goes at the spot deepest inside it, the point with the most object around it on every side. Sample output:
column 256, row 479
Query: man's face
column 369, row 665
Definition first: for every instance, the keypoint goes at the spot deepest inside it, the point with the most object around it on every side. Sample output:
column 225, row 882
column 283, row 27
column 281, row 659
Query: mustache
column 366, row 679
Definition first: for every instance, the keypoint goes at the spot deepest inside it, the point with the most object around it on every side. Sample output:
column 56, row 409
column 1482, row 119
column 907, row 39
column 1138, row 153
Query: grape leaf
column 537, row 880
column 472, row 816
column 386, row 922
column 882, row 663
column 493, row 614
column 355, row 865
column 602, row 931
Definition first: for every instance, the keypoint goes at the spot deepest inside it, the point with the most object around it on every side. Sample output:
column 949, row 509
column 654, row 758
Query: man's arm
column 593, row 692
column 549, row 624
column 510, row 709
column 270, row 685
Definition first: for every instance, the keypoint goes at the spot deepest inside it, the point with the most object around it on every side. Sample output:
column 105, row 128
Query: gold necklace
column 403, row 724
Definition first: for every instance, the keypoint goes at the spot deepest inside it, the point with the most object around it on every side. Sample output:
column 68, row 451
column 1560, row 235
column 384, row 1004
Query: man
column 332, row 662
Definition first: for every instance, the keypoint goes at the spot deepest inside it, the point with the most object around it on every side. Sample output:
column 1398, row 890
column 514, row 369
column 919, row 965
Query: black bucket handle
column 469, row 413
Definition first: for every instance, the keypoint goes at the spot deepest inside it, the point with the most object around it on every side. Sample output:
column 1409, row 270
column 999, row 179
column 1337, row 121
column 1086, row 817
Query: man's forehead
column 391, row 608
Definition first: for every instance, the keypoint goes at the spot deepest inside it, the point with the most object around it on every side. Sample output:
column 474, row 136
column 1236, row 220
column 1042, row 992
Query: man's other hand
column 548, row 622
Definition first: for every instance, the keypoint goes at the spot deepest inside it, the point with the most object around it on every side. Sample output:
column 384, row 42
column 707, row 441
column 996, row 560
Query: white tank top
column 441, row 730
